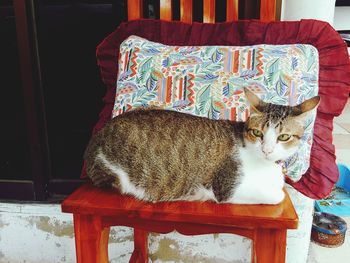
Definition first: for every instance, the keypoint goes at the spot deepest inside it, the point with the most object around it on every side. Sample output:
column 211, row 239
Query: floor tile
column 345, row 126
column 339, row 129
column 341, row 141
column 345, row 115
column 343, row 156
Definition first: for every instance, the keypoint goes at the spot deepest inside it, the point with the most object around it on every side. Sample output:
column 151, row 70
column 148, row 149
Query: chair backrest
column 135, row 10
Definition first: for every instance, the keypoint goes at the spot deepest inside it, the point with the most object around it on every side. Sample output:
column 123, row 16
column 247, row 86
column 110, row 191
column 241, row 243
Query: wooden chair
column 96, row 210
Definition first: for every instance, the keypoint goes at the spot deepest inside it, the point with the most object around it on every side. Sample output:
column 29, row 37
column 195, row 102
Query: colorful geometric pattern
column 208, row 81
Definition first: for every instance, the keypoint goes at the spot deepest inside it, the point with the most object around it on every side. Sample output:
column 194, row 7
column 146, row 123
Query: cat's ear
column 307, row 106
column 302, row 111
column 256, row 104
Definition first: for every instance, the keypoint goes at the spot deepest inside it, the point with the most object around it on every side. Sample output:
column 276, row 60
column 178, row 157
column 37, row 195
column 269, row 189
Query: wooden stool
column 95, row 210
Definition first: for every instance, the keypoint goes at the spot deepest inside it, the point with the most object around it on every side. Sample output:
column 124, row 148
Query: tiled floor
column 341, row 140
column 342, row 136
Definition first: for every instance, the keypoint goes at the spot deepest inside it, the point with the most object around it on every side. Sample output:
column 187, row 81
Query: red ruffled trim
column 334, row 76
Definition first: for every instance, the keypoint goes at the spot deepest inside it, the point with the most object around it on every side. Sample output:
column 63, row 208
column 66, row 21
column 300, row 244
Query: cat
column 160, row 155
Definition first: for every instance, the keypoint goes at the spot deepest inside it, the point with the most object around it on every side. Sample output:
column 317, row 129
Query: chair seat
column 95, row 210
column 108, row 202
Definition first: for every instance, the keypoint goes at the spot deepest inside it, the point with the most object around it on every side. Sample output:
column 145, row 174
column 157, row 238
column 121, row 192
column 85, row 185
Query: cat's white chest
column 262, row 181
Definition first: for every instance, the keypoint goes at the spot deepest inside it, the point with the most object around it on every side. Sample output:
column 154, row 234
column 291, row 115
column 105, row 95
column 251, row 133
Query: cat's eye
column 284, row 137
column 257, row 133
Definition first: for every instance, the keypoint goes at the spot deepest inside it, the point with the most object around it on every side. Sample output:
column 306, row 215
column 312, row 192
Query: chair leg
column 269, row 245
column 140, row 254
column 91, row 239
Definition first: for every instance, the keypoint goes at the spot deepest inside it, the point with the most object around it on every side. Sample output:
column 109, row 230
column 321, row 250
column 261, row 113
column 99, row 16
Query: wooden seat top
column 90, row 200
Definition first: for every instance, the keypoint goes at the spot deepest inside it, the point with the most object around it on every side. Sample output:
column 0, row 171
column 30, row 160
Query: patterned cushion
column 209, row 80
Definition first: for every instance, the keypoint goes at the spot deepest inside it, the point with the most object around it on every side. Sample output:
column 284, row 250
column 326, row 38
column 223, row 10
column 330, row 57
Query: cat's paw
column 268, row 198
column 274, row 198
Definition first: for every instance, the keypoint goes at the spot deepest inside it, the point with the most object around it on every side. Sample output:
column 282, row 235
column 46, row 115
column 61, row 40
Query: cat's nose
column 267, row 151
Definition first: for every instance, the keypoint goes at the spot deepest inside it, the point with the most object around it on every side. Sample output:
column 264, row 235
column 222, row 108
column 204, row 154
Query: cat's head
column 274, row 130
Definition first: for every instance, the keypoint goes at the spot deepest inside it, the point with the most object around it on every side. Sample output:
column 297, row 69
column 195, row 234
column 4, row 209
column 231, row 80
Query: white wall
column 342, row 18
column 313, row 9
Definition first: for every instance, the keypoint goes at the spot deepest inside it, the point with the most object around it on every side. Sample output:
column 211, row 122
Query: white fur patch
column 262, row 181
column 201, row 194
column 269, row 144
column 126, row 187
column 272, row 149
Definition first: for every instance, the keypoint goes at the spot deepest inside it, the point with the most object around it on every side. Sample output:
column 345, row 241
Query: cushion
column 208, row 81
column 334, row 77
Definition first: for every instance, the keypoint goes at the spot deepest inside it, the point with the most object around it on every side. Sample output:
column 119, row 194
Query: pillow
column 208, row 81
column 334, row 77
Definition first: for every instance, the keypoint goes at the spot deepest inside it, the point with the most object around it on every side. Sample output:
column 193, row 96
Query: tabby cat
column 158, row 155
